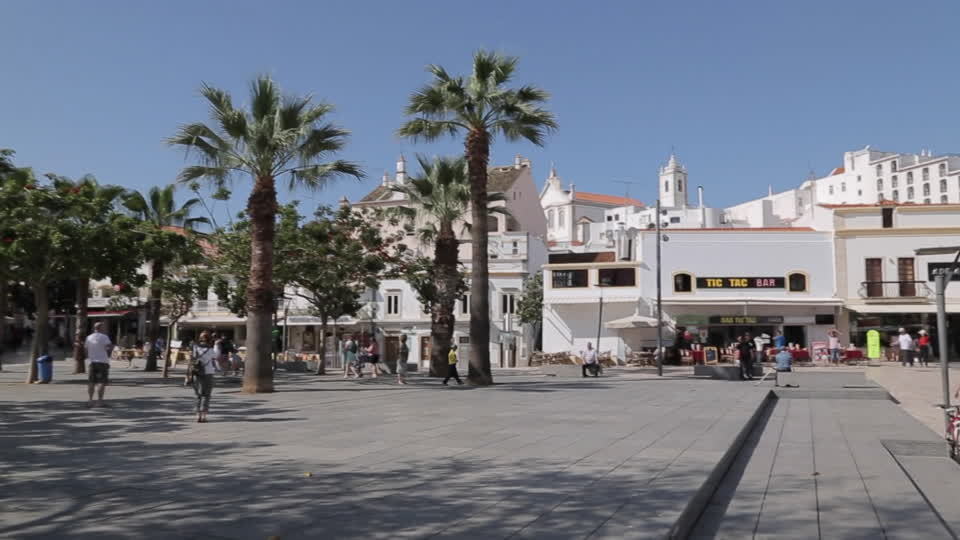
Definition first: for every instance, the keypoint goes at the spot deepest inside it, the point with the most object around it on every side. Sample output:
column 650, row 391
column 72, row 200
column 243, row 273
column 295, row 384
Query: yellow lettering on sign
column 737, row 282
column 714, row 282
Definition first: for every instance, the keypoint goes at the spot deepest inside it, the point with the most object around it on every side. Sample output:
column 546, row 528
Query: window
column 465, row 304
column 859, row 193
column 893, row 166
column 550, row 218
column 675, row 219
column 943, row 169
column 926, row 174
column 843, row 187
column 666, row 187
column 584, row 232
column 515, row 249
column 858, row 178
column 797, row 282
column 879, row 197
column 824, row 319
column 910, row 178
column 926, row 201
column 507, row 304
column 893, row 181
column 609, row 218
column 879, row 184
column 926, row 190
column 943, row 199
column 564, row 279
column 561, row 217
column 618, row 277
column 679, row 185
column 896, row 195
column 393, row 303
column 906, row 276
column 682, row 282
column 887, row 218
column 879, row 169
column 910, row 193
column 830, row 189
column 616, row 217
column 943, row 185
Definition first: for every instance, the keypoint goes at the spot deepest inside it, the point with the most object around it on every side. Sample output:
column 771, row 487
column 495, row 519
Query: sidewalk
column 919, row 390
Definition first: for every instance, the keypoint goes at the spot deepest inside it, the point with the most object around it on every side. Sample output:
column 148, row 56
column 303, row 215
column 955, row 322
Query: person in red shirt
column 923, row 347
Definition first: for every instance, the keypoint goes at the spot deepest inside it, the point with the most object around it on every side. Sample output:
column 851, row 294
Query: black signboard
column 740, row 282
column 934, row 267
column 745, row 319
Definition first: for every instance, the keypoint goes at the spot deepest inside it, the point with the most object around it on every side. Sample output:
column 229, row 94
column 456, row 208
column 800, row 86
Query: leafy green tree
column 530, row 307
column 165, row 227
column 179, row 290
column 7, row 170
column 480, row 107
column 278, row 136
column 438, row 200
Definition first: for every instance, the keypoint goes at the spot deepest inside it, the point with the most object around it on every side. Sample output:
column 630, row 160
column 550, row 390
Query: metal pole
column 941, row 284
column 599, row 320
column 659, row 303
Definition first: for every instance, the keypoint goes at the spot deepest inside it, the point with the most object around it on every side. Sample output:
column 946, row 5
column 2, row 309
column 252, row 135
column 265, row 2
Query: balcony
column 895, row 291
column 209, row 306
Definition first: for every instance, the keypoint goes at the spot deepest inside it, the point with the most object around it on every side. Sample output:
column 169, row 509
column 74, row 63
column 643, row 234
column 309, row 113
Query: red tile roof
column 739, row 229
column 606, row 199
column 836, row 171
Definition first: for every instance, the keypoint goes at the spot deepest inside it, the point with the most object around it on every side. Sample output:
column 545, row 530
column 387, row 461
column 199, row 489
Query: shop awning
column 901, row 308
column 206, row 321
column 107, row 314
column 751, row 300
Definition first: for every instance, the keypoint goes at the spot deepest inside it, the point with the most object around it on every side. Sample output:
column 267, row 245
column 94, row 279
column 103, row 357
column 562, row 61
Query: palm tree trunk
column 3, row 319
column 478, row 154
column 153, row 311
column 322, row 363
column 446, row 255
column 80, row 335
column 40, row 346
column 262, row 208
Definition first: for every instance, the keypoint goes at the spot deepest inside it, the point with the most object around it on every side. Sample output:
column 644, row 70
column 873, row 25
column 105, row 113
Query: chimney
column 517, row 161
column 573, row 190
column 703, row 209
column 401, row 170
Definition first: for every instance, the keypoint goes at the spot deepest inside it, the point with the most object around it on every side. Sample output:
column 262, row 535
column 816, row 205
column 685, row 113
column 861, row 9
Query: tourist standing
column 779, row 341
column 906, row 348
column 452, row 366
column 99, row 347
column 402, row 360
column 205, row 357
column 590, row 361
column 923, row 347
column 833, row 340
column 373, row 355
column 350, row 358
column 747, row 347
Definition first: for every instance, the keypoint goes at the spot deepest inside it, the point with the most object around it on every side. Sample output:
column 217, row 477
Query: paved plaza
column 623, row 456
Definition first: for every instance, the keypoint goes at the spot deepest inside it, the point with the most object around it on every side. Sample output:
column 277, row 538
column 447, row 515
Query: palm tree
column 160, row 218
column 438, row 200
column 481, row 108
column 277, row 136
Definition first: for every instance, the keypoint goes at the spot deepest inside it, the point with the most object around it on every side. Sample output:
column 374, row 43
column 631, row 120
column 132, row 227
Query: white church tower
column 673, row 184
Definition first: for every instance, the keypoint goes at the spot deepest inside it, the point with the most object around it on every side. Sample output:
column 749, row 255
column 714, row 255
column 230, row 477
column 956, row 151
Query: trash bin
column 45, row 368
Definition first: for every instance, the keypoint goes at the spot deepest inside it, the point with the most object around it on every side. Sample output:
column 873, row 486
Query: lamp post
column 659, row 302
column 941, row 280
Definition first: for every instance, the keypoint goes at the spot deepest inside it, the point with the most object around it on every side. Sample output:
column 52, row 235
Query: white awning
column 751, row 300
column 214, row 320
column 634, row 321
column 867, row 309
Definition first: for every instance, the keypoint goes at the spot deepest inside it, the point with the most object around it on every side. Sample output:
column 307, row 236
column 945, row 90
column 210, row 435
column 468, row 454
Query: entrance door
column 795, row 334
column 425, row 352
column 907, row 277
column 874, row 274
column 391, row 350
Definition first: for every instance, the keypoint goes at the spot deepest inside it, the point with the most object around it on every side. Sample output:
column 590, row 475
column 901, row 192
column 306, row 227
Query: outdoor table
column 698, row 356
column 801, row 356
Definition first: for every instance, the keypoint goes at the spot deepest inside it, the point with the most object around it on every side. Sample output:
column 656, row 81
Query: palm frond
column 264, row 98
column 322, row 140
column 316, row 176
column 428, row 130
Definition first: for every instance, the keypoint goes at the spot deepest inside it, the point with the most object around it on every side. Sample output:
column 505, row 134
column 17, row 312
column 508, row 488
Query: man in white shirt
column 99, row 347
column 590, row 361
column 906, row 348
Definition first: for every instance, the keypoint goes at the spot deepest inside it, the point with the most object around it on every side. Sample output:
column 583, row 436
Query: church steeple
column 673, row 184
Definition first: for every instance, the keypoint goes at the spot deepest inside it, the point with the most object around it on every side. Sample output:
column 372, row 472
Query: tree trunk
column 322, row 364
column 40, row 345
column 445, row 257
column 80, row 335
column 166, row 352
column 262, row 208
column 478, row 154
column 153, row 311
column 4, row 339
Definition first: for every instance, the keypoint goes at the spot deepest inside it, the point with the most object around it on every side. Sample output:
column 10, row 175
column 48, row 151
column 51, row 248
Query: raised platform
column 724, row 372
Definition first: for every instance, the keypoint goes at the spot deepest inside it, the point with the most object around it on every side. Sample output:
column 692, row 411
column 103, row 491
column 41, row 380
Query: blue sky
column 749, row 93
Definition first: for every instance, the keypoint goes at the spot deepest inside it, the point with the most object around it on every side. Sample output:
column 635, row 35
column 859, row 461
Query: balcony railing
column 208, row 306
column 895, row 289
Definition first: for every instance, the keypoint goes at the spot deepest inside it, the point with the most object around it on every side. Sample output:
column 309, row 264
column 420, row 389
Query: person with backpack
column 350, row 349
column 202, row 370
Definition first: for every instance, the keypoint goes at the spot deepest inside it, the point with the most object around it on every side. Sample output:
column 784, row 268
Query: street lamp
column 942, row 280
column 659, row 301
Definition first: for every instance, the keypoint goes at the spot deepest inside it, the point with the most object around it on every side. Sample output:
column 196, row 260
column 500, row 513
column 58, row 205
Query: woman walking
column 350, row 358
column 203, row 369
column 402, row 360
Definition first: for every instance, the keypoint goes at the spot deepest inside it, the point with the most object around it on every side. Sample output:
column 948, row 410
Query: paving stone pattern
column 538, row 457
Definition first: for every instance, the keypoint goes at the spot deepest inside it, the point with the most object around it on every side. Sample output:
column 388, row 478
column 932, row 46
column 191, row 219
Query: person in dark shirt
column 747, row 349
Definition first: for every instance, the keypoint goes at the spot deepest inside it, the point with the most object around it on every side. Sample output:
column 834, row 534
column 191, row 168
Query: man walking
column 452, row 366
column 589, row 361
column 99, row 347
column 747, row 348
column 906, row 348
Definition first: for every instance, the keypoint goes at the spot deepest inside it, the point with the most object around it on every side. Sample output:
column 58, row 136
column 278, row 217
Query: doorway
column 425, row 352
column 391, row 350
column 795, row 334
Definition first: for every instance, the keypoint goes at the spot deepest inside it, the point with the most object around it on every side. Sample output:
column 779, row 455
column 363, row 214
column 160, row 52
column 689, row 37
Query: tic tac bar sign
column 740, row 283
column 746, row 319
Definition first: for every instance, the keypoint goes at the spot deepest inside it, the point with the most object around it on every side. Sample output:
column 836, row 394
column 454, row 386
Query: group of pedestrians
column 912, row 351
